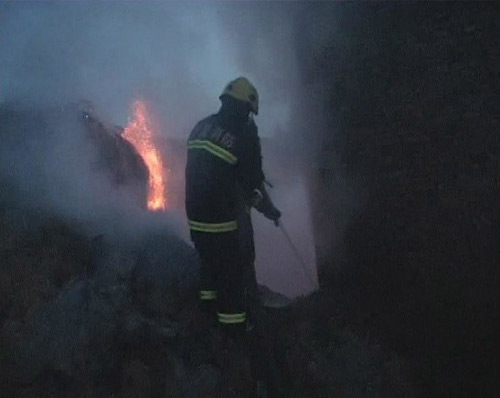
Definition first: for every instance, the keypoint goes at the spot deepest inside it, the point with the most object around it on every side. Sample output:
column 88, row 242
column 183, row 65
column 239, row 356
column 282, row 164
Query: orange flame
column 139, row 132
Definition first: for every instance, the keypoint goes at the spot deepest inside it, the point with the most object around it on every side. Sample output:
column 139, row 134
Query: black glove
column 271, row 212
column 262, row 202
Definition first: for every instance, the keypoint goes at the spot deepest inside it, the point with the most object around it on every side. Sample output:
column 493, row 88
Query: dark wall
column 406, row 186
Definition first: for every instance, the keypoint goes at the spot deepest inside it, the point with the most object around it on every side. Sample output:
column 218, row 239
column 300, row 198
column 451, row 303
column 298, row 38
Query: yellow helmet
column 243, row 90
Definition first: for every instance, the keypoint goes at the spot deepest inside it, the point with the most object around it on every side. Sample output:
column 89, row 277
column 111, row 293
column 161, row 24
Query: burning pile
column 139, row 132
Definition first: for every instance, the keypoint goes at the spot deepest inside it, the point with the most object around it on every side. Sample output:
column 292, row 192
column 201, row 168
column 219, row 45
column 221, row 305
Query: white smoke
column 176, row 55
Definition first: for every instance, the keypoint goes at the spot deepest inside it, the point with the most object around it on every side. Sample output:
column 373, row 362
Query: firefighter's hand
column 272, row 213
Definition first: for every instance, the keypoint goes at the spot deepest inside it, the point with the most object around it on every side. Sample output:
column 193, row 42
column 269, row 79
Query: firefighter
column 224, row 179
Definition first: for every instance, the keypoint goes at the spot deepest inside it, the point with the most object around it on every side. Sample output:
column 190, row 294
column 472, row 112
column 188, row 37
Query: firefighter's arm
column 263, row 203
column 252, row 176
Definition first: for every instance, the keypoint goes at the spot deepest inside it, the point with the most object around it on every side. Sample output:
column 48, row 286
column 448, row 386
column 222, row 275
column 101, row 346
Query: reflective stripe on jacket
column 213, row 149
column 212, row 227
column 223, row 163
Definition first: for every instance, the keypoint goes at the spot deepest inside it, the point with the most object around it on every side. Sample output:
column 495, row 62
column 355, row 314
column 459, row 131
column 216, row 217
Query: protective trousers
column 222, row 276
column 229, row 285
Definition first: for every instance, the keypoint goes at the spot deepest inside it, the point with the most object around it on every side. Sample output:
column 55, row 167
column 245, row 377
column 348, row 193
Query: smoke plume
column 177, row 56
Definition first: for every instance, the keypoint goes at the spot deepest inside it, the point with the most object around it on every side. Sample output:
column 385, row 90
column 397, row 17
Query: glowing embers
column 139, row 132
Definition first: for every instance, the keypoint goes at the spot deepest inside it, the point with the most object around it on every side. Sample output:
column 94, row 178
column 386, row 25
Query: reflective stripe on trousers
column 208, row 295
column 239, row 317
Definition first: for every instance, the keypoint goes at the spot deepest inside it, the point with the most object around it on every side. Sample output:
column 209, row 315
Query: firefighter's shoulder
column 203, row 126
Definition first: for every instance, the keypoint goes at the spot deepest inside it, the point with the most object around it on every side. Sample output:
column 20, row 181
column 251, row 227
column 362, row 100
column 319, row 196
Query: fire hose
column 279, row 223
column 295, row 252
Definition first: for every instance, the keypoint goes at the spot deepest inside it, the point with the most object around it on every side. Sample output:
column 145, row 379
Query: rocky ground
column 86, row 316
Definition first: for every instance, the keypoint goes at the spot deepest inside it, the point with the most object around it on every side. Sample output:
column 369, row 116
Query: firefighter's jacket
column 224, row 166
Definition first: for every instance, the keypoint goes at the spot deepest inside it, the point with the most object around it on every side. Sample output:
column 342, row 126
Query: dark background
column 411, row 105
